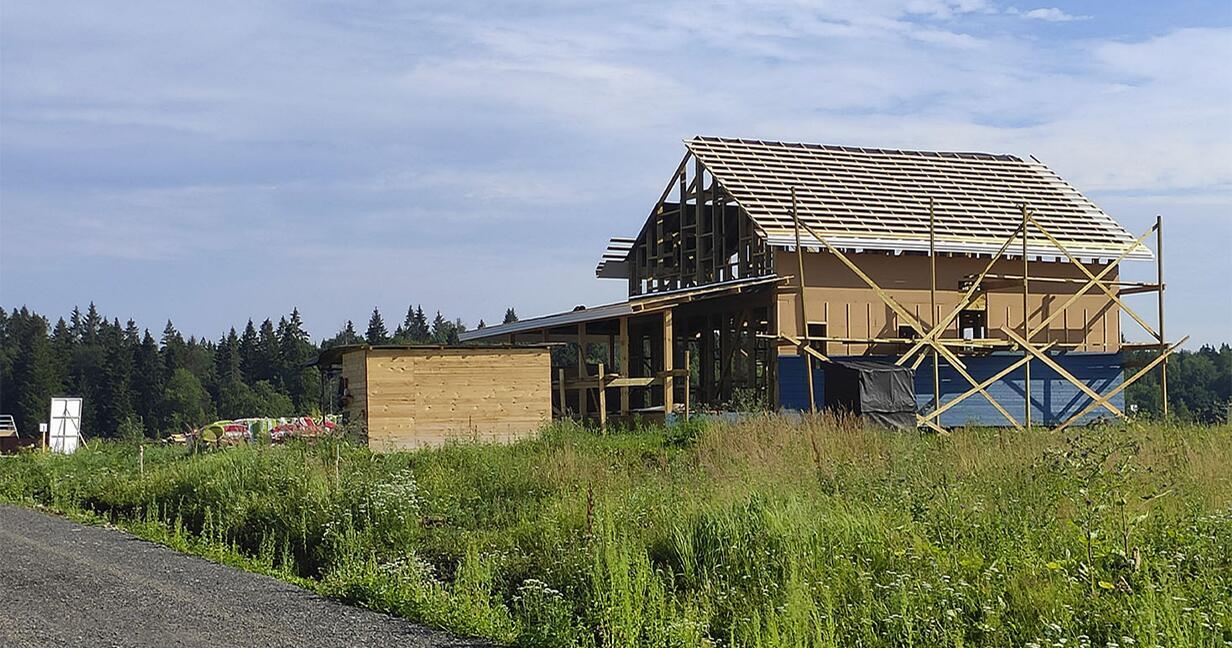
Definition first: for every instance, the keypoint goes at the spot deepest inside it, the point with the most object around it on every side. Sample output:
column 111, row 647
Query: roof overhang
column 1043, row 250
column 639, row 305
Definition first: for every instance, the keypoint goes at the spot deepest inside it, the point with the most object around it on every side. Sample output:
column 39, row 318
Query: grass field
column 768, row 532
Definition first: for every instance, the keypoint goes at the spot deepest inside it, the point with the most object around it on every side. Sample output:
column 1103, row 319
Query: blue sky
column 211, row 162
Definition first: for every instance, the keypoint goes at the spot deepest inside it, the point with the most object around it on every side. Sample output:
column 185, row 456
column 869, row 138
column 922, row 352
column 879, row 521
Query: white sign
column 65, row 433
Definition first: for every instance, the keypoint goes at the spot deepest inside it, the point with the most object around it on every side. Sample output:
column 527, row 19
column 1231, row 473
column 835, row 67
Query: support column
column 669, row 383
column 581, row 363
column 932, row 296
column 1159, row 280
column 802, row 334
column 1026, row 318
column 624, row 364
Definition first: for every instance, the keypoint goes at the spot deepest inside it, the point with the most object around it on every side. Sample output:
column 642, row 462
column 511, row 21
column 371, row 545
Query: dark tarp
column 881, row 393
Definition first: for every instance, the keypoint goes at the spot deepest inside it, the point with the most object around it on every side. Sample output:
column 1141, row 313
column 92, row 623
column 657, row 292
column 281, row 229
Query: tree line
column 134, row 384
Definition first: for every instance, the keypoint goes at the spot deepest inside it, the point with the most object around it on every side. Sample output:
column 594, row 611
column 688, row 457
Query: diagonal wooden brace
column 799, row 344
column 963, row 302
column 1052, row 364
column 1109, row 292
column 936, row 413
column 1126, row 383
column 913, row 322
column 1057, row 312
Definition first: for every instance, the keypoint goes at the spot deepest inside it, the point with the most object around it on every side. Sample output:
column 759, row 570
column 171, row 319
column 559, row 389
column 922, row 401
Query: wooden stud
column 1159, row 281
column 688, row 379
column 668, row 355
column 624, row 364
column 932, row 294
column 581, row 365
column 803, row 329
column 602, row 399
column 1026, row 318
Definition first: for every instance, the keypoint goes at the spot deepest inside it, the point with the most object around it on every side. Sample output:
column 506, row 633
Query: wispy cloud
column 1047, row 14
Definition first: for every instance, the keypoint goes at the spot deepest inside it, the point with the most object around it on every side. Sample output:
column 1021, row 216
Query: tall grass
column 767, row 532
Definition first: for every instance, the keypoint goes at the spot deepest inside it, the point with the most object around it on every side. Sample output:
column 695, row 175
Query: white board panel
column 65, row 433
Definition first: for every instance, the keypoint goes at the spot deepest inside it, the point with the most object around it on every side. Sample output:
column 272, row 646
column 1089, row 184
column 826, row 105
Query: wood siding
column 836, row 296
column 432, row 396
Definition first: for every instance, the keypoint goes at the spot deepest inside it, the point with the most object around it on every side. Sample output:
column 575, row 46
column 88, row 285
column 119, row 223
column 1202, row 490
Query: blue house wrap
column 1053, row 398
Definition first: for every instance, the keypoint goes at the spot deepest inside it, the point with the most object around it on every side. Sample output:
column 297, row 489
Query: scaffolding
column 930, row 336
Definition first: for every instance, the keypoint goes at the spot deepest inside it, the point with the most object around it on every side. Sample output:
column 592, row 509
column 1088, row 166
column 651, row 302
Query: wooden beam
column 1124, row 384
column 936, row 414
column 1159, row 281
column 803, row 329
column 668, row 353
column 932, row 294
column 1026, row 317
column 624, row 364
column 963, row 302
column 1091, row 282
column 581, row 366
column 602, row 399
column 1109, row 292
column 1052, row 364
column 560, row 392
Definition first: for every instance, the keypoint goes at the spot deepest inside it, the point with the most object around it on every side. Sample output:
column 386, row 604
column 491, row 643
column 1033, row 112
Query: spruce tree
column 419, row 329
column 248, row 353
column 147, row 383
column 510, row 316
column 267, row 353
column 377, row 333
column 113, row 399
column 227, row 358
column 32, row 372
column 174, row 350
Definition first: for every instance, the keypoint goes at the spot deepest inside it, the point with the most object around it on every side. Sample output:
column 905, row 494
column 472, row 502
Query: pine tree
column 510, row 316
column 377, row 333
column 481, row 324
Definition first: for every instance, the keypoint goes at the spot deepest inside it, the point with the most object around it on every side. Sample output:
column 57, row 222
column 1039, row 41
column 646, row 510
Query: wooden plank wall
column 429, row 397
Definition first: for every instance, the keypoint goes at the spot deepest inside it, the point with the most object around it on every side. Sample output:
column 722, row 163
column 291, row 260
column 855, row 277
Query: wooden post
column 1159, row 280
column 624, row 364
column 802, row 333
column 602, row 400
column 668, row 353
column 1026, row 318
column 581, row 363
column 932, row 296
column 141, row 459
column 560, row 392
column 688, row 378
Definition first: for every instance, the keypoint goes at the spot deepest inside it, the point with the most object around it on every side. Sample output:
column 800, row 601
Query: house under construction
column 987, row 278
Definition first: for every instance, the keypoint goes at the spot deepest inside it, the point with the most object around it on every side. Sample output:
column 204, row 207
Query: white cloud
column 1047, row 14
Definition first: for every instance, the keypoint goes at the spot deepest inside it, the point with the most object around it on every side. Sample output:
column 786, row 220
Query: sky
column 214, row 162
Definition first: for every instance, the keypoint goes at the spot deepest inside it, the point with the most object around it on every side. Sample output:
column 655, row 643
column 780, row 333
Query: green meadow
column 770, row 531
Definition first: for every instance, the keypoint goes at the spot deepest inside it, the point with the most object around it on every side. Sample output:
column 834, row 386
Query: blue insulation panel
column 1053, row 398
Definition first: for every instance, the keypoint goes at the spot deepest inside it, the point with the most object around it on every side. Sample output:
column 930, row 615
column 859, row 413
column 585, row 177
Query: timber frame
column 701, row 237
column 702, row 324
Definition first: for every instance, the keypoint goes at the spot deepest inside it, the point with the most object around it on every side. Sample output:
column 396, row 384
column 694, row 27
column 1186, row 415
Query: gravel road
column 67, row 584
